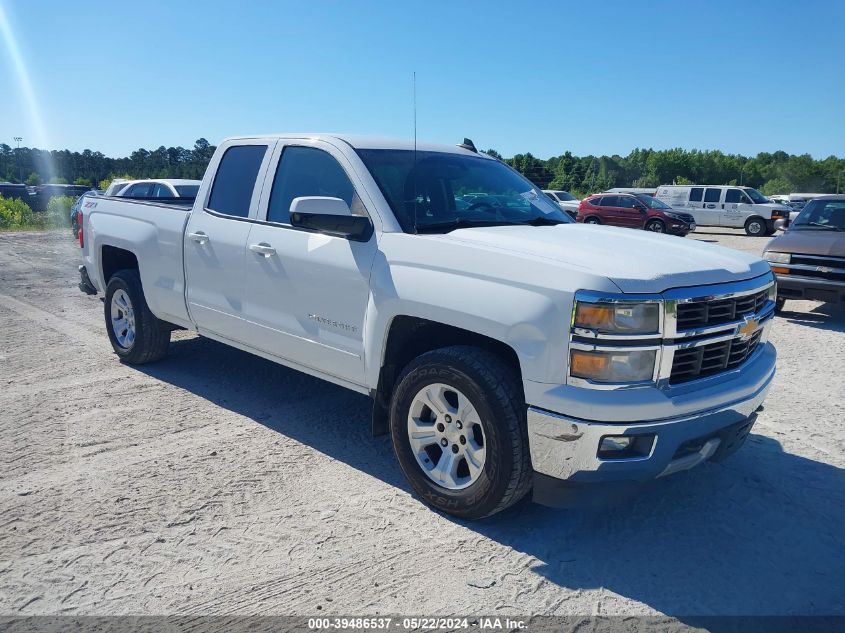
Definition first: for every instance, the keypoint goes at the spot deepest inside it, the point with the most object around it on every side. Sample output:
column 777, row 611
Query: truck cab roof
column 356, row 141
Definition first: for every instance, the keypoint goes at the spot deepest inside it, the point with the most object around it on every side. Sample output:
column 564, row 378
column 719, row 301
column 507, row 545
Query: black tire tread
column 502, row 386
column 152, row 335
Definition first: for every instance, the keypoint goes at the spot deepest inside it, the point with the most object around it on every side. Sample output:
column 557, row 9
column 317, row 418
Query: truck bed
column 151, row 228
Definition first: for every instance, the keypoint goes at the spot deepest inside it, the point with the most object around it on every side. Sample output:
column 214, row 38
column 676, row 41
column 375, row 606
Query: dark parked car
column 809, row 258
column 43, row 193
column 636, row 211
column 11, row 191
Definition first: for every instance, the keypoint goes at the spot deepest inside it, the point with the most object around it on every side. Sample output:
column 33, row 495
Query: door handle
column 199, row 237
column 262, row 248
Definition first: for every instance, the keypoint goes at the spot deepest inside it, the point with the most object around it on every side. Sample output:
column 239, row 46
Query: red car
column 636, row 211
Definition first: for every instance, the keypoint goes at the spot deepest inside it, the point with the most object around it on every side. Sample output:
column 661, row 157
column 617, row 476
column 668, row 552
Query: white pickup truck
column 506, row 348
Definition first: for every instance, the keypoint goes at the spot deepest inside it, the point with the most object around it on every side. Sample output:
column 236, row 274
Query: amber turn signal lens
column 597, row 317
column 588, row 365
column 780, row 270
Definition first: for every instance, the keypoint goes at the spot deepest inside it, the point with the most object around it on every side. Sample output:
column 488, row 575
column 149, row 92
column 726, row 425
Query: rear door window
column 234, row 181
column 609, row 201
column 696, row 193
column 712, row 195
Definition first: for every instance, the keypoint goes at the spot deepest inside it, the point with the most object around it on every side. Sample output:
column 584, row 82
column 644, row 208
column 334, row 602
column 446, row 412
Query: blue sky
column 545, row 77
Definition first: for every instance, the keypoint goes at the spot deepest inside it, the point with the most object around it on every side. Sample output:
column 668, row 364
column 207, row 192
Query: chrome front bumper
column 566, row 448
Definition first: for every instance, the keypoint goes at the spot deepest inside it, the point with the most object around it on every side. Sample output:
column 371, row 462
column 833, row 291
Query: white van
column 724, row 205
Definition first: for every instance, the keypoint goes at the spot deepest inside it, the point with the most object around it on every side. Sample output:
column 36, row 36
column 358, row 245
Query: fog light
column 615, row 443
column 625, row 446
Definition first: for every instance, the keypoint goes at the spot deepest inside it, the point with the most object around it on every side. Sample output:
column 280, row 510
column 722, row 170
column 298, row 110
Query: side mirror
column 331, row 216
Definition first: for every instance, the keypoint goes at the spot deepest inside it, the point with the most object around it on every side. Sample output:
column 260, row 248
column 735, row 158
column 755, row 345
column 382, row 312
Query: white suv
column 564, row 200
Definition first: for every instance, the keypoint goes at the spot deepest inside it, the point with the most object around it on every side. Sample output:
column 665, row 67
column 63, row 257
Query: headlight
column 618, row 318
column 612, row 367
column 674, row 216
column 777, row 258
column 773, row 291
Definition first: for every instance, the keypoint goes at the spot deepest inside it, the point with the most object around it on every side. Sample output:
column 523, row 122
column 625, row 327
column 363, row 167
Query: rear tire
column 655, row 226
column 136, row 335
column 472, row 383
column 755, row 227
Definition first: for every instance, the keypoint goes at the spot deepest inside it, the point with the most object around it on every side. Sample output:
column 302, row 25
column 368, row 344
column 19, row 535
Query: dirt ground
column 218, row 482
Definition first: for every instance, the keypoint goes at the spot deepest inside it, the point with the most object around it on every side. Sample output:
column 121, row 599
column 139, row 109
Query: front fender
column 531, row 321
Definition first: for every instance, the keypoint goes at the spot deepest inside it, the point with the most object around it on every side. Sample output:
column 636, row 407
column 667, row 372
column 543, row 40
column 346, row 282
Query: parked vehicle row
column 38, row 197
column 506, row 347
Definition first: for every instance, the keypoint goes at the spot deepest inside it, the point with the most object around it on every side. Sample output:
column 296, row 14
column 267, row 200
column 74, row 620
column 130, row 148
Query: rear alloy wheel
column 755, row 227
column 136, row 335
column 655, row 226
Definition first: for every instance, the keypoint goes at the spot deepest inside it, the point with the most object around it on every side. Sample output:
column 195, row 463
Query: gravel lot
column 218, row 482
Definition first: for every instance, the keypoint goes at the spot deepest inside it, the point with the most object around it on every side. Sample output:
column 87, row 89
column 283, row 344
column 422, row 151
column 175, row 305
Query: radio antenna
column 415, row 151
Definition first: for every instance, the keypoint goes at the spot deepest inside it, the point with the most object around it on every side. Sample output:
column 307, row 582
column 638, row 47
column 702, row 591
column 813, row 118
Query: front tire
column 755, row 227
column 136, row 335
column 457, row 422
column 779, row 303
column 592, row 220
column 655, row 226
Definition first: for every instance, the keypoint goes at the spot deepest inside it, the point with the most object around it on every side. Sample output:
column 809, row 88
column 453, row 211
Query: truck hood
column 635, row 261
column 809, row 242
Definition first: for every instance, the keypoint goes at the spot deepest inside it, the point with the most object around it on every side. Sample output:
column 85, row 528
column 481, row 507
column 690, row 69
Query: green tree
column 33, row 179
column 85, row 182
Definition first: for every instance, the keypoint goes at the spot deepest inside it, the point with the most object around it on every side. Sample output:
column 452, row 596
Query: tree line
column 771, row 173
column 95, row 169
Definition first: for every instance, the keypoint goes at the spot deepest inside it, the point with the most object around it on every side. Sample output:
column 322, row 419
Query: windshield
column 821, row 215
column 187, row 191
column 651, row 202
column 756, row 196
column 427, row 190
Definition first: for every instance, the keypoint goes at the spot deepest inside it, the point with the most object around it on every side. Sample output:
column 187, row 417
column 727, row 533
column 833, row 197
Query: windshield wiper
column 451, row 225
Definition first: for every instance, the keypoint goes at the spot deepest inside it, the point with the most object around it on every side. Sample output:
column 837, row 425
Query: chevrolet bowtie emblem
column 747, row 329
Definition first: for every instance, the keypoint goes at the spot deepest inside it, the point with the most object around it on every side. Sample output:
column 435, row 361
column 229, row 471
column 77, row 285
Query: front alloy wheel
column 446, row 436
column 458, row 428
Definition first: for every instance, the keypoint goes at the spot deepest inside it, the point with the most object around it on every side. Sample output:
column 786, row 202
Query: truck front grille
column 697, row 314
column 811, row 260
column 712, row 358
